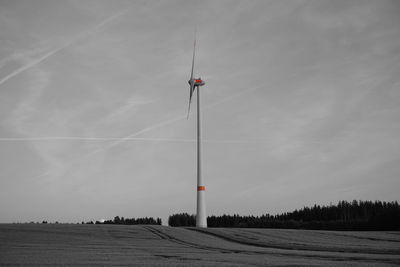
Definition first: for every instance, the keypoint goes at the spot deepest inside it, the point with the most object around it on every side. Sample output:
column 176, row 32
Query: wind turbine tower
column 195, row 83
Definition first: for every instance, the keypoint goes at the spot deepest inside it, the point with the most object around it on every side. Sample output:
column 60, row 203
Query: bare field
column 68, row 244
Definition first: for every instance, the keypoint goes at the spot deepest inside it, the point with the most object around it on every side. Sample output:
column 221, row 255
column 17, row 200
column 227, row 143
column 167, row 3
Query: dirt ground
column 118, row 245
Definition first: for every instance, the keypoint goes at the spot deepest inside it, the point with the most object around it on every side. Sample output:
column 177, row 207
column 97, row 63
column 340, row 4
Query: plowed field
column 106, row 245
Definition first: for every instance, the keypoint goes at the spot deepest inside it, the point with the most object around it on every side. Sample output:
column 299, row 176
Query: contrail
column 164, row 123
column 76, row 138
column 170, row 121
column 32, row 64
column 133, row 136
column 55, row 51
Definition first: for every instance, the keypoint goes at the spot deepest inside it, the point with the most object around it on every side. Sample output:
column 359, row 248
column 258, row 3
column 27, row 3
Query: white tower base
column 201, row 216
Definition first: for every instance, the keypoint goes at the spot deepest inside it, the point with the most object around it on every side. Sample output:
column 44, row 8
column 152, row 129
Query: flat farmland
column 145, row 245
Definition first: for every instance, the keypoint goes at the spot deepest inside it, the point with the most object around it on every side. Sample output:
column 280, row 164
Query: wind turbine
column 195, row 83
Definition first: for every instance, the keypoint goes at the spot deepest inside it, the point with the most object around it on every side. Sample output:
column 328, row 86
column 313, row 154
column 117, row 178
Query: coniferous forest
column 132, row 221
column 355, row 215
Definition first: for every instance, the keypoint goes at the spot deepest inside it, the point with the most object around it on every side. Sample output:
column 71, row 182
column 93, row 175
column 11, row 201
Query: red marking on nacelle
column 198, row 81
column 201, row 188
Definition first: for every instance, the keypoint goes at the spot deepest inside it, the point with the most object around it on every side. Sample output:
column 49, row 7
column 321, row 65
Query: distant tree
column 132, row 221
column 117, row 220
column 182, row 219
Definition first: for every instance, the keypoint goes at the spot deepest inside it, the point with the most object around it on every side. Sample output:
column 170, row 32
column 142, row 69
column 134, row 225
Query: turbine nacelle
column 197, row 82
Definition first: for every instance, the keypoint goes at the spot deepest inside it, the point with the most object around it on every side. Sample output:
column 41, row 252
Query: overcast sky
column 301, row 106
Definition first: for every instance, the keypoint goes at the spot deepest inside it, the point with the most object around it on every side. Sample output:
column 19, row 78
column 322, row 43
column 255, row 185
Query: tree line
column 132, row 221
column 182, row 219
column 355, row 215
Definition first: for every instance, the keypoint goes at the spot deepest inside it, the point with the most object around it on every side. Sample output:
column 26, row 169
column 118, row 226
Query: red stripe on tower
column 201, row 188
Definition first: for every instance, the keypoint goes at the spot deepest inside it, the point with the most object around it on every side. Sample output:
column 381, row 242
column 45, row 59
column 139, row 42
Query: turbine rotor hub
column 197, row 82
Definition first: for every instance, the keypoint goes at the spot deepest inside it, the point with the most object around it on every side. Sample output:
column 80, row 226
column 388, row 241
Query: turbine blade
column 192, row 88
column 194, row 51
column 191, row 82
